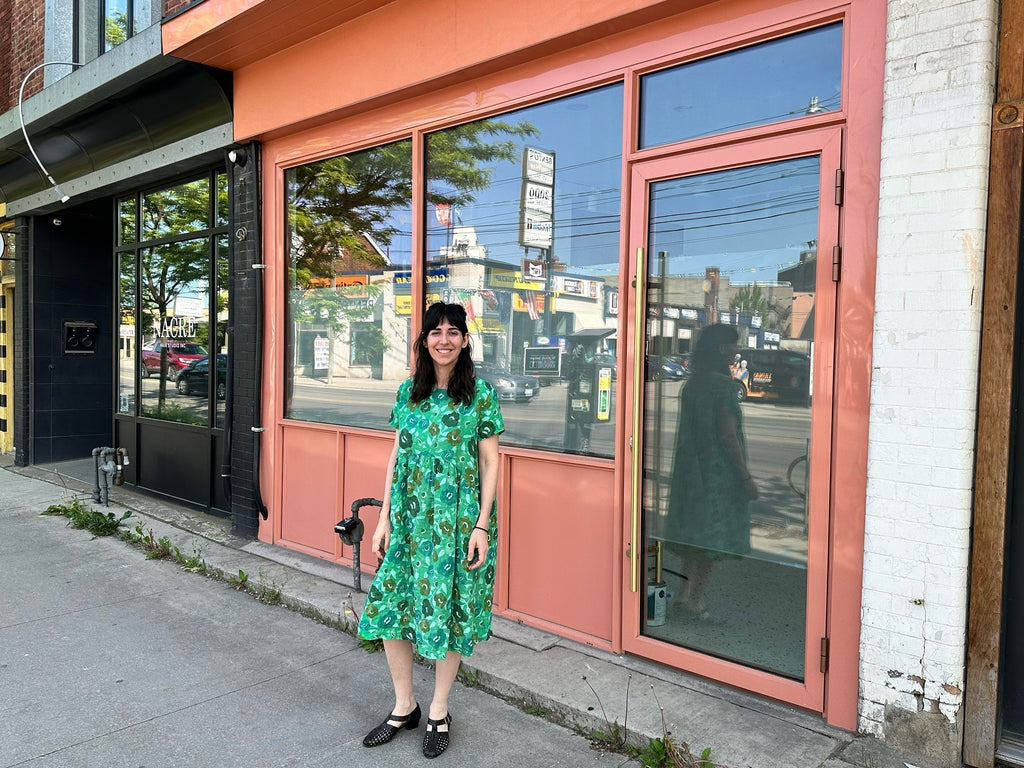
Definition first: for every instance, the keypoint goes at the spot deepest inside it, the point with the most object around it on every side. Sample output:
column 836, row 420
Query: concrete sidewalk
column 282, row 674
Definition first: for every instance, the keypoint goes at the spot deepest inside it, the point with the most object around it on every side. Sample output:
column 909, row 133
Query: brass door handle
column 639, row 333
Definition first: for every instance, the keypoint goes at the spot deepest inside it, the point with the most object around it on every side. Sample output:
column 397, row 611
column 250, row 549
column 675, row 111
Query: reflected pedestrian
column 711, row 484
column 437, row 527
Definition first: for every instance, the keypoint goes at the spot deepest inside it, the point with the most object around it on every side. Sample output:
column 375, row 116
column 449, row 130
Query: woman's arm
column 729, row 433
column 488, row 467
column 382, row 534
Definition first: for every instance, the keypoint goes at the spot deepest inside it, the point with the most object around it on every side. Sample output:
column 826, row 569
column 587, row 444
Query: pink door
column 730, row 443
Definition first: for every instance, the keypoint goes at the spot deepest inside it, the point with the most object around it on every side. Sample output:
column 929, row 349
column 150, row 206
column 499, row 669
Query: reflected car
column 179, row 355
column 509, row 386
column 194, row 379
column 781, row 375
column 663, row 368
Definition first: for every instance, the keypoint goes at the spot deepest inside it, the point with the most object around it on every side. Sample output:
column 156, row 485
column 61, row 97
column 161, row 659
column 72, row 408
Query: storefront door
column 730, row 495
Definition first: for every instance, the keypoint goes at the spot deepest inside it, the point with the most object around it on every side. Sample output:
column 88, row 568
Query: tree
column 750, row 298
column 169, row 270
column 341, row 213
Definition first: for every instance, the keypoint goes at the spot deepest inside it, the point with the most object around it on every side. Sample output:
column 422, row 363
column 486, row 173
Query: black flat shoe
column 434, row 741
column 385, row 732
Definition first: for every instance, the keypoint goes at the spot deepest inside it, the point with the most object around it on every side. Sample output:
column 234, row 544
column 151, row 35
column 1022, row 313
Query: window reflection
column 175, row 327
column 349, row 245
column 173, row 302
column 126, row 333
column 523, row 230
column 177, row 210
column 777, row 80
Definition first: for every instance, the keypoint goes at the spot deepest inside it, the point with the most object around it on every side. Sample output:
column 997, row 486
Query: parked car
column 663, row 368
column 509, row 386
column 194, row 379
column 179, row 355
column 781, row 375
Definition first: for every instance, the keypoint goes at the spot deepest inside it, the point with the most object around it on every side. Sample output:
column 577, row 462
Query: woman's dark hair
column 707, row 354
column 462, row 384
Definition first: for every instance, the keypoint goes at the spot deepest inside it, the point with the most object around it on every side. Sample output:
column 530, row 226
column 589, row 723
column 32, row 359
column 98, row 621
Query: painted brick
column 937, row 102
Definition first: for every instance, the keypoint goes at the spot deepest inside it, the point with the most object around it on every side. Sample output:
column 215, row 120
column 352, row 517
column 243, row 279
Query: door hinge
column 837, row 262
column 824, row 655
column 840, row 177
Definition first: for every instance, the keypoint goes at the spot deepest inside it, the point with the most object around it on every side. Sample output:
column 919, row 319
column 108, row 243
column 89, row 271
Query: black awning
column 179, row 102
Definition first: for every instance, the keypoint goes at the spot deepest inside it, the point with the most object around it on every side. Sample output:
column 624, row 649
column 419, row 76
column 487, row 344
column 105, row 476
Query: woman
column 438, row 525
column 711, row 483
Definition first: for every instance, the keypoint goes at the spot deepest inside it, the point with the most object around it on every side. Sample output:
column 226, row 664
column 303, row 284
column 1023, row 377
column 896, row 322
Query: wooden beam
column 998, row 343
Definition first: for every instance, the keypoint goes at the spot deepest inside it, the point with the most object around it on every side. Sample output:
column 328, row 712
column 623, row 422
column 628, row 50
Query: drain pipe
column 256, row 158
column 236, row 159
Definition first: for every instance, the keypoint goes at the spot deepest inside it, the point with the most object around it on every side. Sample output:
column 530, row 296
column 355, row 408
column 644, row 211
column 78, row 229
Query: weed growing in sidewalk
column 193, row 563
column 94, row 521
column 663, row 752
column 266, row 591
column 239, row 582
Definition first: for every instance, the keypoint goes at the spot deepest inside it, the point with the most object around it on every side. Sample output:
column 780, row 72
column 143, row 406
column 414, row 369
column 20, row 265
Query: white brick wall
column 940, row 68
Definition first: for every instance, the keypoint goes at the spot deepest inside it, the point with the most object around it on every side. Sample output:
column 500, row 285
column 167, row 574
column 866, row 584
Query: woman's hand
column 382, row 534
column 476, row 553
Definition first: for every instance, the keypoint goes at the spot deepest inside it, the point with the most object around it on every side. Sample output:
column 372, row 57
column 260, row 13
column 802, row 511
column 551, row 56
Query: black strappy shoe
column 385, row 732
column 434, row 741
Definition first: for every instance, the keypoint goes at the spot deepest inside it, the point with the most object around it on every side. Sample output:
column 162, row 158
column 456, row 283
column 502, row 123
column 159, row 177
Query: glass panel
column 115, row 23
column 222, row 200
column 778, row 80
column 176, row 210
column 87, row 22
column 350, row 248
column 127, row 219
column 1012, row 684
column 142, row 16
column 126, row 335
column 727, row 418
column 175, row 328
column 219, row 345
column 523, row 230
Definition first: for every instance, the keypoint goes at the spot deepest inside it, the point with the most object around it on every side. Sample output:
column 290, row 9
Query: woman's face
column 444, row 344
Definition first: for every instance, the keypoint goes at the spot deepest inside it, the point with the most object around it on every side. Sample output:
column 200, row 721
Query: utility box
column 80, row 337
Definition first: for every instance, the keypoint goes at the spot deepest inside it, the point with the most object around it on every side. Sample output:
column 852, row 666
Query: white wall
column 940, row 68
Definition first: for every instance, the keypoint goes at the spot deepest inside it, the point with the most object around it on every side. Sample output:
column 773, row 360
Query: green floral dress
column 424, row 592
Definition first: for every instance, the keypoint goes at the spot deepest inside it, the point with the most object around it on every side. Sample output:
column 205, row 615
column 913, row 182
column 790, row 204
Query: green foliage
column 173, row 412
column 654, row 755
column 240, row 581
column 94, row 521
column 371, row 646
column 193, row 563
column 750, row 298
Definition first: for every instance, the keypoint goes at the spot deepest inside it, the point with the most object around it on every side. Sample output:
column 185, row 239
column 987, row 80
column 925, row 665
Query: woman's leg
column 444, row 675
column 399, row 653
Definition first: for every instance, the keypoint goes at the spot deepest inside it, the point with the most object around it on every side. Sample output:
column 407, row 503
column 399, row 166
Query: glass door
column 732, row 382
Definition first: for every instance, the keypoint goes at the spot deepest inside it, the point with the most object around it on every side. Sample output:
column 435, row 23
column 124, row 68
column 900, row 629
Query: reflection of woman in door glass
column 711, row 485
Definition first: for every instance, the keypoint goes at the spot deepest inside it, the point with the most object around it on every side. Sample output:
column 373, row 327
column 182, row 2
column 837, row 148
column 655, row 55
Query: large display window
column 172, row 266
column 522, row 229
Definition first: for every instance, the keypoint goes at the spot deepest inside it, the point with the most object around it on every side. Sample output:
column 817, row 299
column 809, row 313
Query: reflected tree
column 344, row 213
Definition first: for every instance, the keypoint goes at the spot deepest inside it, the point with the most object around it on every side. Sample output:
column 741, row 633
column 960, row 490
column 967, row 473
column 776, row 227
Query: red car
column 179, row 355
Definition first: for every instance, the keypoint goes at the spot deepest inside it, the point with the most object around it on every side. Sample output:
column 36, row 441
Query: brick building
column 850, row 145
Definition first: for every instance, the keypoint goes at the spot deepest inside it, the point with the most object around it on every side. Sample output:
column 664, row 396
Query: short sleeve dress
column 708, row 504
column 424, row 591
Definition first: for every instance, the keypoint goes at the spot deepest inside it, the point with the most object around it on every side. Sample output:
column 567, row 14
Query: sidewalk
column 534, row 670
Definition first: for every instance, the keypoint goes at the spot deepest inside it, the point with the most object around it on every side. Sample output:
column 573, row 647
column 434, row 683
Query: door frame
column 825, row 142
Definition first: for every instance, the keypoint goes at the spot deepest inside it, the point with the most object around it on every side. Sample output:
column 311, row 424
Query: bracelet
column 478, row 528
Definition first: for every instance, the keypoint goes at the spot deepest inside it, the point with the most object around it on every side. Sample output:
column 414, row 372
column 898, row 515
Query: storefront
column 595, row 188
